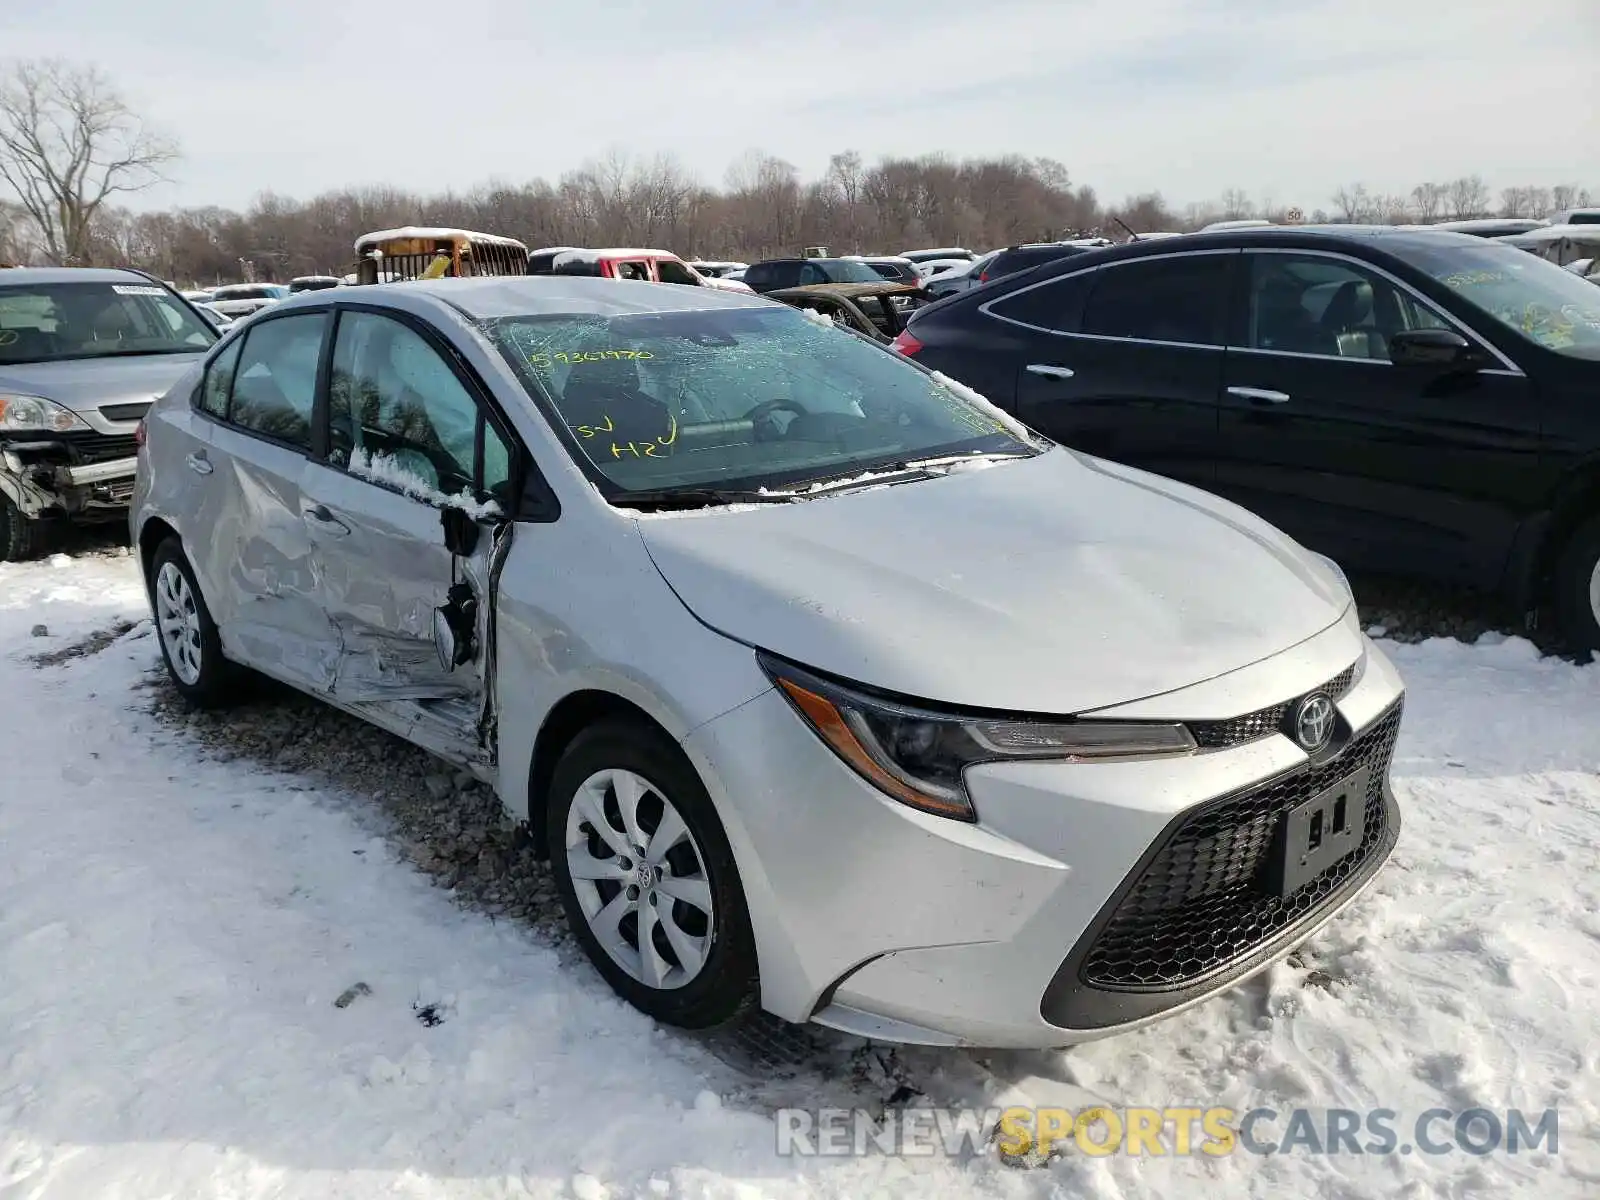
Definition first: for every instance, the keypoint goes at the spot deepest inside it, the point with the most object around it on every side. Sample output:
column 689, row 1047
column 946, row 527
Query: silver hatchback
column 822, row 682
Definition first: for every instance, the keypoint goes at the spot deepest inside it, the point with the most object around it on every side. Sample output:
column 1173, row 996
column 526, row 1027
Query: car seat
column 1349, row 321
column 607, row 393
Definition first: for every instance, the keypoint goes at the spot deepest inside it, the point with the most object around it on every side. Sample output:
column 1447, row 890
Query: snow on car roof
column 1555, row 233
column 433, row 233
column 594, row 255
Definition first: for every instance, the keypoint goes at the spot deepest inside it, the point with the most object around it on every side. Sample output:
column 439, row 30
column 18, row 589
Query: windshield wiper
column 666, row 498
column 141, row 353
column 905, row 471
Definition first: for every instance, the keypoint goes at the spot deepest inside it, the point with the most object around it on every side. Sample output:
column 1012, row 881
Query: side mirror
column 1438, row 349
column 460, row 531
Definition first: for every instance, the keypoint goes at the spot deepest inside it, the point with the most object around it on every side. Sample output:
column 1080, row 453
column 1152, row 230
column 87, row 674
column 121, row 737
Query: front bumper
column 84, row 478
column 890, row 923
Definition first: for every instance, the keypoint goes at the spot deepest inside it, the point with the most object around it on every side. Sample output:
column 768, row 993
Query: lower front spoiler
column 1150, row 1008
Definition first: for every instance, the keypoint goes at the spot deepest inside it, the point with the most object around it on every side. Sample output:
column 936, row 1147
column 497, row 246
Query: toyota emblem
column 1313, row 722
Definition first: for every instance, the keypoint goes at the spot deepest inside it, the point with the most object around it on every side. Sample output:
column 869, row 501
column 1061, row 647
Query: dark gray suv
column 83, row 353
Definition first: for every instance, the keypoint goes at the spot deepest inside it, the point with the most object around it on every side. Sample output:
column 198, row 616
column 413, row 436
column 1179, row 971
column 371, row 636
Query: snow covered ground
column 174, row 931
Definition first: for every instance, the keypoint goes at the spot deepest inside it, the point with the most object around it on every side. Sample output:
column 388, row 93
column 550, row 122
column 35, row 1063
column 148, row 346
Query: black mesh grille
column 99, row 447
column 1235, row 731
column 1202, row 901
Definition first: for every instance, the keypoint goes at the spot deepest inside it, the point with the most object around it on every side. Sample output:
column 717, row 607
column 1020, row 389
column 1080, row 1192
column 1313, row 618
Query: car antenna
column 1132, row 236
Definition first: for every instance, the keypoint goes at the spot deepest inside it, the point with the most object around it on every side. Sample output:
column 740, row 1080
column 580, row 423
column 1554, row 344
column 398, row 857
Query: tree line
column 72, row 149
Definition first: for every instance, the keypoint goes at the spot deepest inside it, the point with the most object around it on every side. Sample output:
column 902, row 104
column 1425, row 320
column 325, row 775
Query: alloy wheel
column 640, row 879
column 179, row 621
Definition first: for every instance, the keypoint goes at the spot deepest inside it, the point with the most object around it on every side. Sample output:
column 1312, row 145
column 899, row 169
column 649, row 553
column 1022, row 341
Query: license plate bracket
column 1314, row 835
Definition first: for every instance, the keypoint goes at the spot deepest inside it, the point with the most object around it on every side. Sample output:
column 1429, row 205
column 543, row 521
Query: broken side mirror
column 460, row 531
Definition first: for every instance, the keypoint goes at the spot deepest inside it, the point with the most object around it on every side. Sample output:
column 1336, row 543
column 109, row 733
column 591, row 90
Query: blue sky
column 1287, row 99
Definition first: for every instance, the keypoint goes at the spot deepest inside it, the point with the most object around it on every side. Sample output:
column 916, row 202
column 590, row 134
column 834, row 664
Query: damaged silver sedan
column 821, row 681
column 83, row 353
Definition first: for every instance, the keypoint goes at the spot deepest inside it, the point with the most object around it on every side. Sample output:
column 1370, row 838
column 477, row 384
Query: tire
column 591, row 784
column 1577, row 589
column 21, row 537
column 187, row 634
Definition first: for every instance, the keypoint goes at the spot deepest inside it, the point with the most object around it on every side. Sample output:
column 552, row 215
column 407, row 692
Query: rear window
column 1009, row 262
column 54, row 322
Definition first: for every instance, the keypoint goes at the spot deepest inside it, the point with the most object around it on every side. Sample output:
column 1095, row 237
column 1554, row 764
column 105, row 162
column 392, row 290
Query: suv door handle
column 319, row 515
column 1049, row 370
column 199, row 463
column 1259, row 395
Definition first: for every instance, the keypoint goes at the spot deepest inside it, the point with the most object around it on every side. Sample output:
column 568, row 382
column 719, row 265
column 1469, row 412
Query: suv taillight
column 905, row 343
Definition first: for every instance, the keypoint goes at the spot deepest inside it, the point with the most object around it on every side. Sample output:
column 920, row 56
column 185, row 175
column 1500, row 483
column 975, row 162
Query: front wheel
column 1577, row 589
column 188, row 636
column 21, row 537
column 647, row 877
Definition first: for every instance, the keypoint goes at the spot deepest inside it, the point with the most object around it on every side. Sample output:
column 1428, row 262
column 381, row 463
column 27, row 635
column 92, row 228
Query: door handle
column 1049, row 370
column 199, row 463
column 1259, row 395
column 319, row 515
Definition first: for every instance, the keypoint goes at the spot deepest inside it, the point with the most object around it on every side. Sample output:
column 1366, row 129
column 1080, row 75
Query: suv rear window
column 1009, row 262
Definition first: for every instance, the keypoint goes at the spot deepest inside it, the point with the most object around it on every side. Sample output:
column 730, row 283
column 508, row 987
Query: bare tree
column 1236, row 204
column 68, row 143
column 1428, row 198
column 1353, row 202
column 1467, row 197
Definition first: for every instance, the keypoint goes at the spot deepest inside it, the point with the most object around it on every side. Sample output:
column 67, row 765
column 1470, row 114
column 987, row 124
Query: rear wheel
column 21, row 537
column 188, row 636
column 647, row 876
column 1577, row 589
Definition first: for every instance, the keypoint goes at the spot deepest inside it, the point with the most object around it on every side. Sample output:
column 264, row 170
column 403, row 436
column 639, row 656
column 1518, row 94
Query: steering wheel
column 761, row 417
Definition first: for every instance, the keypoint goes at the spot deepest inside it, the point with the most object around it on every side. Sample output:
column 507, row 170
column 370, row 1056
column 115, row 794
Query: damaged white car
column 823, row 683
column 83, row 353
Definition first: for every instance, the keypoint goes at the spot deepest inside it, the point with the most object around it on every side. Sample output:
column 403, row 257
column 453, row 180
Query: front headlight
column 919, row 756
column 1335, row 568
column 29, row 414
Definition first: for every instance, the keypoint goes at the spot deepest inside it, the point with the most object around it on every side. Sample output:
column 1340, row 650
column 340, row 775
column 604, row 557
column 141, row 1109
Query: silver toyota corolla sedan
column 823, row 683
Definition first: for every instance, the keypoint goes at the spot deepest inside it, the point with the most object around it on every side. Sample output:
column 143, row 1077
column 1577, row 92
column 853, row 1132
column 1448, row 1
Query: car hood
column 1059, row 584
column 85, row 384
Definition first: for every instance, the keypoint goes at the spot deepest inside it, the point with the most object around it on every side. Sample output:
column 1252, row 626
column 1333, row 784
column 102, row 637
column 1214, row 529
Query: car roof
column 38, row 275
column 1391, row 239
column 489, row 296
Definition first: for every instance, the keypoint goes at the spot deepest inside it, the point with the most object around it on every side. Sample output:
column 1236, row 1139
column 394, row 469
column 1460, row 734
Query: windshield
column 843, row 270
column 57, row 321
column 1528, row 295
column 737, row 398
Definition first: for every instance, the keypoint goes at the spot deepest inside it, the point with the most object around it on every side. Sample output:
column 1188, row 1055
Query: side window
column 399, row 415
column 219, row 381
column 1056, row 305
column 810, row 274
column 671, row 272
column 1310, row 304
column 276, row 377
column 1177, row 298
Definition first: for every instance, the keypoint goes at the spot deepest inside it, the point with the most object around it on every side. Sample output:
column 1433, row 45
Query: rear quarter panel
column 974, row 348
